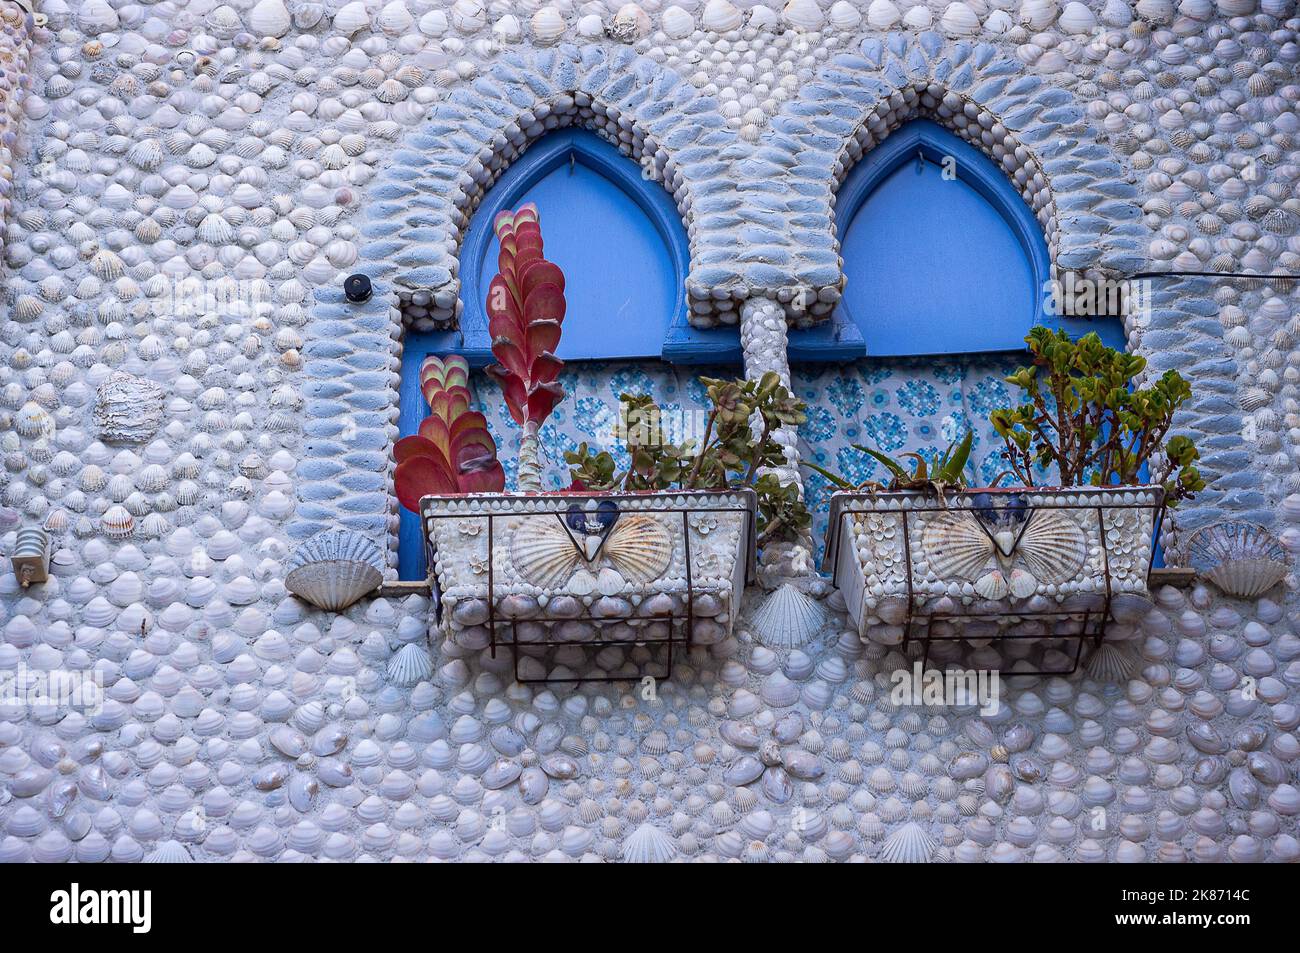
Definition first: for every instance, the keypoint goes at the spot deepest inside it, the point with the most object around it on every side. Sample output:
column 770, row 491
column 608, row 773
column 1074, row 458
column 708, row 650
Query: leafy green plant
column 737, row 443
column 947, row 469
column 1083, row 415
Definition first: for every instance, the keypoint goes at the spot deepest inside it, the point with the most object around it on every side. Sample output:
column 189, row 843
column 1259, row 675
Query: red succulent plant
column 525, row 307
column 453, row 452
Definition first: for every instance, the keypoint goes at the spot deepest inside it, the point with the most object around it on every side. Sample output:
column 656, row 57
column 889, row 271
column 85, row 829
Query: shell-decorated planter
column 589, row 567
column 985, row 559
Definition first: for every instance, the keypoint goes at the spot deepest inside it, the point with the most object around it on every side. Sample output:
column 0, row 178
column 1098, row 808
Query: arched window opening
column 941, row 254
column 624, row 251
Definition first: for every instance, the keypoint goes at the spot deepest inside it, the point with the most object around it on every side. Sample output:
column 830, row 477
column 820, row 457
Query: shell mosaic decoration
column 1034, row 550
column 598, row 568
column 1242, row 559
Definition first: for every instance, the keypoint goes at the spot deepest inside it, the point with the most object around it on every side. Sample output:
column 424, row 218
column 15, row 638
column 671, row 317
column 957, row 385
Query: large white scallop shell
column 410, row 664
column 1243, row 559
column 677, row 23
column 910, row 844
column 334, row 569
column 788, row 618
column 955, row 545
column 648, row 845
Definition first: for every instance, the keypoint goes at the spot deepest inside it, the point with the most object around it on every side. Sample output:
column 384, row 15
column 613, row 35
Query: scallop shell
column 543, row 552
column 882, row 14
column 1053, row 546
column 169, row 852
column 648, row 845
column 803, row 15
column 1243, row 559
column 334, row 569
column 788, row 618
column 410, row 664
column 640, row 548
column 1112, row 662
column 910, row 844
column 956, row 546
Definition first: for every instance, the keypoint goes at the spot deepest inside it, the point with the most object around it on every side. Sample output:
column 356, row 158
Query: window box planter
column 533, row 571
column 983, row 563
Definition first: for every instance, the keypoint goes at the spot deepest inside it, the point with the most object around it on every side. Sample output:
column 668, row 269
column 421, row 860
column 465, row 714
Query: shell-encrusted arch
column 442, row 171
column 1036, row 133
column 415, row 218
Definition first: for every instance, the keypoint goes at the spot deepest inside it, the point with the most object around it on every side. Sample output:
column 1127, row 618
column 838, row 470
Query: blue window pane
column 620, row 282
column 941, row 254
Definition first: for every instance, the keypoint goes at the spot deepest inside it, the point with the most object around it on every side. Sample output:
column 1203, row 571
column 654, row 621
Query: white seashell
column 547, row 24
column 169, row 852
column 803, row 15
column 960, row 20
column 468, row 16
column 269, row 18
column 96, row 17
column 1155, row 11
column 394, row 19
column 648, row 845
column 882, row 14
column 334, row 569
column 352, row 18
column 1038, row 14
column 918, row 17
column 630, row 23
column 1077, row 18
column 844, row 15
column 788, row 618
column 720, row 16
column 910, row 844
column 410, row 664
column 1243, row 559
column 677, row 23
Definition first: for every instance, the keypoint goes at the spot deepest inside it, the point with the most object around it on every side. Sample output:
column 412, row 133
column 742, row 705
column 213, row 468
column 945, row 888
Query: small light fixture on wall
column 31, row 555
column 357, row 288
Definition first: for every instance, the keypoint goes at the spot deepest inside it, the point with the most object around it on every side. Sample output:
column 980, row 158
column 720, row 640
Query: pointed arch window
column 941, row 255
column 620, row 240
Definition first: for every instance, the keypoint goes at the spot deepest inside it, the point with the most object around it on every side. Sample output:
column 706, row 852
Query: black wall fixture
column 357, row 288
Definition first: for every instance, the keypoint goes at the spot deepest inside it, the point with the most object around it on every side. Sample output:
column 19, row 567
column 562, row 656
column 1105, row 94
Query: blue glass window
column 941, row 256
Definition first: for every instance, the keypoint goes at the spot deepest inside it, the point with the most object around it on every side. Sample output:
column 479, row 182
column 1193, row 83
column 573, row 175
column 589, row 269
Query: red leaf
column 421, row 476
column 542, row 400
column 546, row 368
column 512, row 389
column 489, row 479
column 544, row 303
column 540, row 272
column 416, row 446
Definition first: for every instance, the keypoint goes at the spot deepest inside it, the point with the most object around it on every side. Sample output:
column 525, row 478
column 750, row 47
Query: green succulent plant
column 947, row 469
column 1083, row 415
column 737, row 443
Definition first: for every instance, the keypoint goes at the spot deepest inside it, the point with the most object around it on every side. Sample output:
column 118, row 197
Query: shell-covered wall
column 185, row 396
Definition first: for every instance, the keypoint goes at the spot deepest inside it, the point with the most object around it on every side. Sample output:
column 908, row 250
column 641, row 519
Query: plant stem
column 530, row 469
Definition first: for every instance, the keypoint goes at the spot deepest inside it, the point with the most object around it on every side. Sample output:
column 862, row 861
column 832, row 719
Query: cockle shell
column 352, row 18
column 803, row 15
column 1077, row 18
column 648, row 845
column 882, row 14
column 677, row 23
column 960, row 20
column 720, row 16
column 547, row 25
column 334, row 569
column 788, row 618
column 1243, row 559
column 269, row 18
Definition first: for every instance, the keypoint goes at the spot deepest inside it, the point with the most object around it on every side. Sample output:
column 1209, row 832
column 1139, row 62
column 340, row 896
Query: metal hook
column 573, row 160
column 920, row 160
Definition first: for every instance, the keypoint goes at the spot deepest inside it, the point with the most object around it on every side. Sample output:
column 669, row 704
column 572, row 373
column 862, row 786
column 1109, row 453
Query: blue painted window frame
column 682, row 343
column 840, row 339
